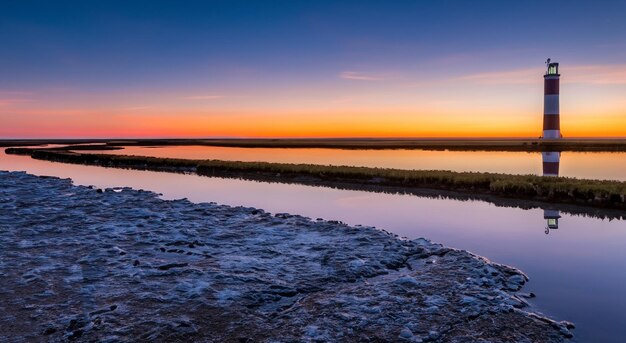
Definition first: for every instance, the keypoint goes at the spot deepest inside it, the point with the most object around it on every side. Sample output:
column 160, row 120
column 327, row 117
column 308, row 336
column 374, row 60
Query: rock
column 515, row 282
column 49, row 330
column 527, row 295
column 172, row 265
column 468, row 300
column 406, row 334
column 408, row 281
column 433, row 335
column 75, row 335
column 357, row 263
column 311, row 331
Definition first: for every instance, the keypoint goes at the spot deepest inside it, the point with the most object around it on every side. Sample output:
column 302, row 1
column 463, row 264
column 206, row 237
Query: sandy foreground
column 77, row 263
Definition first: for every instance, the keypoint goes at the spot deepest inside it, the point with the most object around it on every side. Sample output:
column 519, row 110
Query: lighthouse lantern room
column 553, row 68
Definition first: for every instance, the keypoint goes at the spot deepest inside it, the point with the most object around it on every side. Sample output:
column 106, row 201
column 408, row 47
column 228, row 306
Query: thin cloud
column 12, row 101
column 203, row 97
column 520, row 76
column 136, row 108
column 603, row 74
column 607, row 74
column 6, row 92
column 344, row 100
column 353, row 75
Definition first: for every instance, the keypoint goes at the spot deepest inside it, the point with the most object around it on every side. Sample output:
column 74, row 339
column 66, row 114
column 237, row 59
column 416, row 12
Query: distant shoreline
column 466, row 144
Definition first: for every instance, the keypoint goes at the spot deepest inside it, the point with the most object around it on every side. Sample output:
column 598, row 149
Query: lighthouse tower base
column 551, row 134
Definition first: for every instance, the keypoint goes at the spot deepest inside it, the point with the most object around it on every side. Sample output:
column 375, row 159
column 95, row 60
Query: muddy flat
column 79, row 263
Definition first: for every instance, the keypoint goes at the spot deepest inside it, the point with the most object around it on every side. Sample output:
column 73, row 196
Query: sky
column 138, row 69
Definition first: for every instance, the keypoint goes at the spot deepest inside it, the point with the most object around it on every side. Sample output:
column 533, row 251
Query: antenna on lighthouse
column 548, row 61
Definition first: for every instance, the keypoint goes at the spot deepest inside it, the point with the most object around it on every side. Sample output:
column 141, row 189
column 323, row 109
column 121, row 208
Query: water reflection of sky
column 574, row 164
column 578, row 271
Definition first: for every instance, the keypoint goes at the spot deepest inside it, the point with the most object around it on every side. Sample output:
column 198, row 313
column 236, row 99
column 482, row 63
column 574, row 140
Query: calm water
column 610, row 166
column 578, row 271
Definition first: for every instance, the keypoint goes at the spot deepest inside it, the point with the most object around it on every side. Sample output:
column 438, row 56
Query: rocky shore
column 84, row 264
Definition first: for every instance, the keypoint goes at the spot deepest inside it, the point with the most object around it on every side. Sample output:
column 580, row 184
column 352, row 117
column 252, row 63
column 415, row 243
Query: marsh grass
column 601, row 193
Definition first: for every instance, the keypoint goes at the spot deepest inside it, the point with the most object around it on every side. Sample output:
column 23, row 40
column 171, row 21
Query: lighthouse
column 551, row 120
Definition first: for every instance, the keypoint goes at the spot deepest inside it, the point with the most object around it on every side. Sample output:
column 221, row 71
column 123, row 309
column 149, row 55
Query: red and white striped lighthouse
column 551, row 120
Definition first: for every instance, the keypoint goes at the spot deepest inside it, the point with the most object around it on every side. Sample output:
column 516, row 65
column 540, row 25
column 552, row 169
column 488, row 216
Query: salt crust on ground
column 82, row 264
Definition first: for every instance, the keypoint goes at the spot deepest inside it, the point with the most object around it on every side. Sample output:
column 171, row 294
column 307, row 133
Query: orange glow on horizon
column 303, row 125
column 492, row 104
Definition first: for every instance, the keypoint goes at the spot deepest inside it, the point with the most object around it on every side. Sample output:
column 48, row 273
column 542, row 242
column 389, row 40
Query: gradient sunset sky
column 112, row 69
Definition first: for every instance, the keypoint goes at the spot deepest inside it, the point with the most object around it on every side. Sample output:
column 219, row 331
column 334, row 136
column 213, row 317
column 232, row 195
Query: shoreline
column 579, row 193
column 123, row 264
column 453, row 144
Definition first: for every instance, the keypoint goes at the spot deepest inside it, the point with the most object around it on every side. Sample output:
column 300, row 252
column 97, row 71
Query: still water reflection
column 577, row 271
column 573, row 164
column 551, row 163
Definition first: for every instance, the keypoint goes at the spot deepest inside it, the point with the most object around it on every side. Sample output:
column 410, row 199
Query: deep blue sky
column 89, row 49
column 138, row 41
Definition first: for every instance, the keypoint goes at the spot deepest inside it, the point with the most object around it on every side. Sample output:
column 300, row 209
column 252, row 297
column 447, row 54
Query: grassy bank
column 606, row 194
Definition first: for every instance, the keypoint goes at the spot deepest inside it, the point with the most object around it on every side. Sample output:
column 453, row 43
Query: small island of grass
column 595, row 193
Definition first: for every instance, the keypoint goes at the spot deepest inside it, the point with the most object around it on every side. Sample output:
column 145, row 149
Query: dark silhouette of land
column 465, row 144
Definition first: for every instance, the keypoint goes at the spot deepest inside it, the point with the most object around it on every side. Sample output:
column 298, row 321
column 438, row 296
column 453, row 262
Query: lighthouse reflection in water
column 551, row 162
